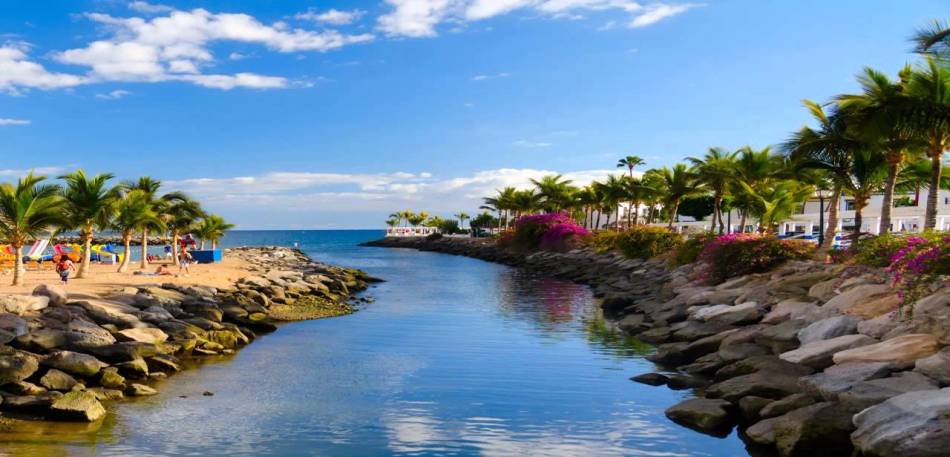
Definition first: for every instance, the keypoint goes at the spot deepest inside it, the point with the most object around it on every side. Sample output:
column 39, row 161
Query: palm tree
column 462, row 217
column 149, row 188
column 405, row 215
column 87, row 205
column 525, row 201
column 675, row 184
column 180, row 214
column 776, row 202
column 586, row 199
column 630, row 162
column 715, row 171
column 874, row 117
column 926, row 111
column 134, row 212
column 393, row 222
column 638, row 191
column 555, row 192
column 502, row 202
column 397, row 216
column 212, row 228
column 415, row 219
column 26, row 211
column 933, row 40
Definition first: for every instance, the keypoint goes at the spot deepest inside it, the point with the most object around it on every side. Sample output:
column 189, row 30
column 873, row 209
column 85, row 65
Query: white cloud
column 114, row 95
column 532, row 144
column 42, row 171
column 17, row 72
column 332, row 16
column 236, row 56
column 149, row 8
column 9, row 121
column 486, row 77
column 420, row 18
column 228, row 82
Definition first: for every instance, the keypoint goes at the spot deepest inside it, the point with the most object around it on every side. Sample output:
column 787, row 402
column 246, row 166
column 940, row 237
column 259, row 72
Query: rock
column 150, row 335
column 17, row 366
column 875, row 307
column 746, row 334
column 762, row 433
column 163, row 363
column 111, row 379
column 22, row 304
column 700, row 313
column 744, row 313
column 43, row 339
column 767, row 364
column 936, row 366
column 749, row 407
column 824, row 290
column 31, row 403
column 11, row 326
column 782, row 337
column 104, row 394
column 788, row 404
column 23, row 388
column 704, row 415
column 715, row 297
column 819, row 430
column 878, row 326
column 840, row 378
column 759, row 384
column 828, row 328
column 819, row 354
column 914, row 424
column 106, row 312
column 670, row 354
column 74, row 363
column 156, row 315
column 741, row 351
column 866, row 394
column 692, row 331
column 80, row 406
column 57, row 294
column 650, row 379
column 683, row 382
column 57, row 380
column 125, row 351
column 790, row 309
column 140, row 390
column 704, row 346
column 631, row 323
column 852, row 297
column 136, row 369
column 902, row 351
column 255, row 281
column 82, row 335
column 655, row 335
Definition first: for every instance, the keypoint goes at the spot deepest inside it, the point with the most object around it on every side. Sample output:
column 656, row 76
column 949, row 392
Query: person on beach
column 63, row 267
column 184, row 259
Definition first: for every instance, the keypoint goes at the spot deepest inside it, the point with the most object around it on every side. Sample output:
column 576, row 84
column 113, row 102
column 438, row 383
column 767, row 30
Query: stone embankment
column 807, row 360
column 61, row 356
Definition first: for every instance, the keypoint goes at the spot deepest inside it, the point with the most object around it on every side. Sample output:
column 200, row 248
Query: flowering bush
column 689, row 250
column 640, row 242
column 552, row 231
column 876, row 251
column 918, row 262
column 737, row 254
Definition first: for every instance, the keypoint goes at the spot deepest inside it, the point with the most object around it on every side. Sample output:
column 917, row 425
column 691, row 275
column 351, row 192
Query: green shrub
column 640, row 242
column 689, row 250
column 876, row 251
column 738, row 254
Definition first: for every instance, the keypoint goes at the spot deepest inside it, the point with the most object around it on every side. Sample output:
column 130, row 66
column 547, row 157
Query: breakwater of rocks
column 62, row 356
column 806, row 360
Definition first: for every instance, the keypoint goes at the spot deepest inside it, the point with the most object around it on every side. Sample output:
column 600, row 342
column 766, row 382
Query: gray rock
column 39, row 403
column 765, row 363
column 57, row 380
column 819, row 354
column 762, row 432
column 78, row 406
column 786, row 405
column 842, row 302
column 74, row 363
column 828, row 328
column 136, row 369
column 683, row 382
column 22, row 304
column 631, row 323
column 57, row 294
column 143, row 335
column 840, row 378
column 82, row 335
column 703, row 414
column 23, row 388
column 741, row 351
column 106, row 394
column 914, row 424
column 750, row 407
column 140, row 390
column 790, row 309
column 650, row 379
column 878, row 326
column 12, row 325
column 744, row 313
column 17, row 366
column 819, row 430
column 936, row 366
column 782, row 337
column 866, row 394
column 759, row 384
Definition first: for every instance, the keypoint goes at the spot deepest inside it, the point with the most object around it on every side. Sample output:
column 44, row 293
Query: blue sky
column 303, row 114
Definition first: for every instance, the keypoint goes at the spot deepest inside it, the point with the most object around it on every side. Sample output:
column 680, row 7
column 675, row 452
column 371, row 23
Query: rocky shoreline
column 61, row 356
column 806, row 360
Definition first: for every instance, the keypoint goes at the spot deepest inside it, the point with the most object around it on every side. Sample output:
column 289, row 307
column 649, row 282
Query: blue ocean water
column 455, row 357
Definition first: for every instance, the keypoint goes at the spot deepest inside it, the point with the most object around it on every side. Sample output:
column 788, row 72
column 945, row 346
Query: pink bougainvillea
column 918, row 262
column 550, row 231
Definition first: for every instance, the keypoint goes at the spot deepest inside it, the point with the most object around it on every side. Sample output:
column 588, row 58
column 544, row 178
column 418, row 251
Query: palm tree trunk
column 18, row 270
column 859, row 204
column 717, row 209
column 930, row 217
column 675, row 208
column 742, row 221
column 126, row 256
column 636, row 213
column 597, row 227
column 144, row 263
column 893, row 165
column 832, row 229
column 214, row 244
column 175, row 247
column 86, row 254
column 617, row 219
column 629, row 216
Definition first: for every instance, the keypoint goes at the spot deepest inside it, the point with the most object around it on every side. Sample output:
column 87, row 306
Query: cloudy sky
column 304, row 114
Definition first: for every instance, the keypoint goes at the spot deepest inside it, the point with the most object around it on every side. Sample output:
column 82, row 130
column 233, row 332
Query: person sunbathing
column 162, row 270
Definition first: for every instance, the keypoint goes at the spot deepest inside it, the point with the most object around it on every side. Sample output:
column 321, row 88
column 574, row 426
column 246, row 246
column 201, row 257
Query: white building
column 906, row 216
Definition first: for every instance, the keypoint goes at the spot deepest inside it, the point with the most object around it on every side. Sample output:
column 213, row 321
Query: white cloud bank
column 419, row 18
column 9, row 121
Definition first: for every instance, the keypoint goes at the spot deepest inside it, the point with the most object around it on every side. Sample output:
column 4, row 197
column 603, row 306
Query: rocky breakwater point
column 61, row 356
column 808, row 360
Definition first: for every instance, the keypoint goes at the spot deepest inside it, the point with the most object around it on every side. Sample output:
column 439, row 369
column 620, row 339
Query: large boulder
column 902, row 351
column 766, row 363
column 828, row 328
column 870, row 393
column 17, row 366
column 57, row 380
column 744, row 313
column 790, row 309
column 22, row 304
column 819, row 430
column 38, row 403
column 786, row 405
column 108, row 312
column 759, row 384
column 936, row 366
column 57, row 294
column 840, row 378
column 83, row 335
column 819, row 354
column 852, row 297
column 74, row 363
column 915, row 424
column 150, row 335
column 78, row 406
column 703, row 414
column 782, row 337
column 11, row 327
column 875, row 307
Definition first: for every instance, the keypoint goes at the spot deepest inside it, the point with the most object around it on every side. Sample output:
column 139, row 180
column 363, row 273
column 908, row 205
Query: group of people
column 65, row 266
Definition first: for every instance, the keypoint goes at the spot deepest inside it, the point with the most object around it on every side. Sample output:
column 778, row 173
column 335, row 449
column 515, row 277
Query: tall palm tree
column 462, row 217
column 134, row 212
column 555, row 192
column 180, row 214
column 927, row 112
column 211, row 228
column 502, row 202
column 933, row 40
column 715, row 171
column 875, row 119
column 27, row 210
column 614, row 192
column 676, row 184
column 149, row 188
column 777, row 201
column 630, row 162
column 87, row 206
column 525, row 201
column 638, row 191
